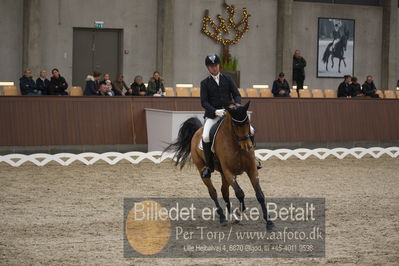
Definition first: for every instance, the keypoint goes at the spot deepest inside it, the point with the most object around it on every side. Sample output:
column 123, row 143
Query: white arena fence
column 90, row 158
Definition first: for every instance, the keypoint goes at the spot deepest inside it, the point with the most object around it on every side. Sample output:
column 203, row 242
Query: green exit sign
column 99, row 24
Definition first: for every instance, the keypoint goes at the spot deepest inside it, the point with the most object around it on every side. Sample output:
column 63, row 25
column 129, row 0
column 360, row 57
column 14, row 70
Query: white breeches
column 208, row 125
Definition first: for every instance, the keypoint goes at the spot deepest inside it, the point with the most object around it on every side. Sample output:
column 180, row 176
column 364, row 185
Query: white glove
column 220, row 112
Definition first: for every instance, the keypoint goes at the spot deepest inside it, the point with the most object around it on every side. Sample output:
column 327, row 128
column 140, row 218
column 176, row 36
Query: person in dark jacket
column 57, row 85
column 155, row 85
column 120, row 86
column 27, row 85
column 281, row 88
column 344, row 89
column 217, row 91
column 107, row 81
column 298, row 75
column 42, row 83
column 355, row 88
column 369, row 88
column 137, row 88
column 92, row 84
column 102, row 90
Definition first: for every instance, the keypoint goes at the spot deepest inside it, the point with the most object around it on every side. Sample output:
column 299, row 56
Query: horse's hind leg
column 200, row 163
column 214, row 197
column 339, row 66
column 253, row 176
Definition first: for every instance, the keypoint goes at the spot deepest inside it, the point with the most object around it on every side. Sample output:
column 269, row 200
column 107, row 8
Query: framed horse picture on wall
column 335, row 47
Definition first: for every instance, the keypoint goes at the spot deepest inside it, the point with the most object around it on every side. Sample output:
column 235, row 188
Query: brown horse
column 234, row 155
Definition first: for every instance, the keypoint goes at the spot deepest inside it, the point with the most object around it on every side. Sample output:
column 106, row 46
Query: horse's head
column 240, row 125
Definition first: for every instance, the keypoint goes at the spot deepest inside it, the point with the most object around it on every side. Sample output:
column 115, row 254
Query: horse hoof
column 270, row 225
column 238, row 213
column 223, row 222
column 222, row 218
column 232, row 219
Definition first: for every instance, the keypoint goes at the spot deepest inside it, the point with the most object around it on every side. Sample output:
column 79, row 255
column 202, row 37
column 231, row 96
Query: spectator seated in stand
column 102, row 90
column 344, row 90
column 107, row 81
column 137, row 88
column 369, row 88
column 42, row 82
column 281, row 88
column 58, row 85
column 120, row 86
column 355, row 88
column 108, row 86
column 92, row 84
column 106, row 77
column 27, row 84
column 155, row 85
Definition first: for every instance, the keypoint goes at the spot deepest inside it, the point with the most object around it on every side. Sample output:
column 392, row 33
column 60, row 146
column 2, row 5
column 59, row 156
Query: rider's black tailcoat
column 214, row 96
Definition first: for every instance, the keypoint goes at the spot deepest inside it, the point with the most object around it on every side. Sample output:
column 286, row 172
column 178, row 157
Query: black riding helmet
column 212, row 60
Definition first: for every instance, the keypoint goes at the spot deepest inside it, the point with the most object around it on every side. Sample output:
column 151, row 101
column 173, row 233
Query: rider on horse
column 336, row 36
column 217, row 92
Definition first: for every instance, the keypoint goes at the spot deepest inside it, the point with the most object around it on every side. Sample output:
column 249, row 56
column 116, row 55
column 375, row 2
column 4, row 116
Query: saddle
column 212, row 134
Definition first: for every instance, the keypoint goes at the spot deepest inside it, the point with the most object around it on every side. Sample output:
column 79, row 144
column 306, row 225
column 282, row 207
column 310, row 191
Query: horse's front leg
column 214, row 196
column 226, row 193
column 327, row 63
column 332, row 61
column 253, row 176
column 239, row 194
column 232, row 181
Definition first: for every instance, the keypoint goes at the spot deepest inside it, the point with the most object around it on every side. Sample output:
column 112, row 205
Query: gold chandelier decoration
column 226, row 25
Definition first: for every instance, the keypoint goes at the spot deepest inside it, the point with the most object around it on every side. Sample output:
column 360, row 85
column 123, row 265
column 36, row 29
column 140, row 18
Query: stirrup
column 206, row 172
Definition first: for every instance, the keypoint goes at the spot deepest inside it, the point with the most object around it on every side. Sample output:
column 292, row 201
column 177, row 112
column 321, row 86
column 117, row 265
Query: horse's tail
column 327, row 53
column 182, row 145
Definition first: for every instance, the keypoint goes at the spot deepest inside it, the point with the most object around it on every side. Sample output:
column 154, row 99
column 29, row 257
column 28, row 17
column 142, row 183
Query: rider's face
column 214, row 70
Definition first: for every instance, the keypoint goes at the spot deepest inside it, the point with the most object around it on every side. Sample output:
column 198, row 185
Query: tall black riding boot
column 258, row 164
column 206, row 172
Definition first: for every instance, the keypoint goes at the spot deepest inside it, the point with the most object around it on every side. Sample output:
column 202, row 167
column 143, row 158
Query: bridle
column 241, row 123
